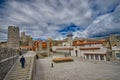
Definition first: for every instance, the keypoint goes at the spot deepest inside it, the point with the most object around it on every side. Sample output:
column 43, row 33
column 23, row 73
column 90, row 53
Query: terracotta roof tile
column 91, row 48
column 95, row 53
column 87, row 43
column 64, row 48
column 26, row 46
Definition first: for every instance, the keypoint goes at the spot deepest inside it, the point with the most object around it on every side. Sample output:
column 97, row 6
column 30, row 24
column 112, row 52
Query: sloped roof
column 90, row 48
column 95, row 53
column 64, row 49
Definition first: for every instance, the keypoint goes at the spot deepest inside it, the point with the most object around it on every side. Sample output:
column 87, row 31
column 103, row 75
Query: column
column 93, row 57
column 99, row 57
column 36, row 49
column 85, row 57
column 40, row 46
column 90, row 57
column 48, row 47
column 104, row 57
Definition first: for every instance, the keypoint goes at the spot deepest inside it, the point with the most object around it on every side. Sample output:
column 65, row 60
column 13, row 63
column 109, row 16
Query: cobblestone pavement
column 79, row 69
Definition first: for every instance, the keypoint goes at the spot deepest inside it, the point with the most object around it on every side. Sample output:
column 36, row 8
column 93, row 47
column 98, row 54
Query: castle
column 26, row 40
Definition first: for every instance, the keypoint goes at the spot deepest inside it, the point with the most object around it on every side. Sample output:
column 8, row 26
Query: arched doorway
column 76, row 52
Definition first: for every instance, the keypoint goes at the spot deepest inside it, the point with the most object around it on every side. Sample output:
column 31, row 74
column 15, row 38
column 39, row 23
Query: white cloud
column 41, row 18
column 38, row 13
column 104, row 25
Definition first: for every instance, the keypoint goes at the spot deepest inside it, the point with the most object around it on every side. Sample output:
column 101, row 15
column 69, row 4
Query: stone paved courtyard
column 79, row 69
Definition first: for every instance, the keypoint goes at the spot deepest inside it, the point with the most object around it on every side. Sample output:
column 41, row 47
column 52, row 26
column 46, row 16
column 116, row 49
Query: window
column 101, row 57
column 92, row 57
column 87, row 56
column 14, row 30
column 96, row 57
column 89, row 44
column 117, row 54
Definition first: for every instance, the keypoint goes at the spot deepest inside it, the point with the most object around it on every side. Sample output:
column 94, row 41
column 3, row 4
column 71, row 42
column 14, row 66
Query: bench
column 62, row 59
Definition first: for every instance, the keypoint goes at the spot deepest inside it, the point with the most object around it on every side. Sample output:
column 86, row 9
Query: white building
column 116, row 52
column 66, row 46
column 93, row 50
column 88, row 49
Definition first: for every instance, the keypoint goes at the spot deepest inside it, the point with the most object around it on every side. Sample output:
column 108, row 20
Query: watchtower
column 13, row 37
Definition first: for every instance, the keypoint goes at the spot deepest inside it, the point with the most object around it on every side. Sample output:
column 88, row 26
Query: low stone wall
column 8, row 58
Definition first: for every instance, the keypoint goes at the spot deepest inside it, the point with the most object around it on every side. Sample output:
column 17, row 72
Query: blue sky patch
column 70, row 28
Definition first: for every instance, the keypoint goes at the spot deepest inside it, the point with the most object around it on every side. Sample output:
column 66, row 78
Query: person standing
column 52, row 65
column 22, row 61
column 20, row 52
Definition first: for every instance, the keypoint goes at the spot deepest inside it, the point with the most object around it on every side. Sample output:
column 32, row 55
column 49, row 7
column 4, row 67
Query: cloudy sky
column 56, row 18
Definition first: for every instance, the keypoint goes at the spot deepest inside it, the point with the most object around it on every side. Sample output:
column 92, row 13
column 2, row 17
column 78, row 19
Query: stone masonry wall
column 7, row 59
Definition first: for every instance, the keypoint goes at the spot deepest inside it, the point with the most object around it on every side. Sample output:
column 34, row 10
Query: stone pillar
column 36, row 50
column 93, row 57
column 40, row 46
column 99, row 57
column 85, row 57
column 104, row 57
column 48, row 47
column 89, row 57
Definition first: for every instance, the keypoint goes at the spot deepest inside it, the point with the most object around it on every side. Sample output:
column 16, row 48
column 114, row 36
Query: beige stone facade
column 26, row 40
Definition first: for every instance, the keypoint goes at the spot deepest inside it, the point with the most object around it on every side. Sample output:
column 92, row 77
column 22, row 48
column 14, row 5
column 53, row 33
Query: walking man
column 22, row 61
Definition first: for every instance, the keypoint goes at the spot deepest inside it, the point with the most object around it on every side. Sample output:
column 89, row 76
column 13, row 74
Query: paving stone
column 80, row 69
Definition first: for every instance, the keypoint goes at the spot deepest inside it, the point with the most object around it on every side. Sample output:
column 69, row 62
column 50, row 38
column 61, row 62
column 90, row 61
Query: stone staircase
column 18, row 73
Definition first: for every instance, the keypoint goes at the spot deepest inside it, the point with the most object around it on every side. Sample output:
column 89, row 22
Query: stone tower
column 69, row 38
column 22, row 34
column 13, row 37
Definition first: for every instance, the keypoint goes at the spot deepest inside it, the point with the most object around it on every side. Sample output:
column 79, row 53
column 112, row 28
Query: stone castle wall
column 7, row 58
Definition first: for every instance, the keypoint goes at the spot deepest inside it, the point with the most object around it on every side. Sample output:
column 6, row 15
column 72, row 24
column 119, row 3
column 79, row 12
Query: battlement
column 13, row 28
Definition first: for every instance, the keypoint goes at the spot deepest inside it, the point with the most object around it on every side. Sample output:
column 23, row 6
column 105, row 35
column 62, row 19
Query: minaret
column 13, row 37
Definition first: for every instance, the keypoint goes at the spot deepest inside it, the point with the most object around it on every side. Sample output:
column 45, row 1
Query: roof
column 90, row 48
column 69, row 34
column 115, row 48
column 87, row 43
column 26, row 47
column 64, row 49
column 95, row 53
